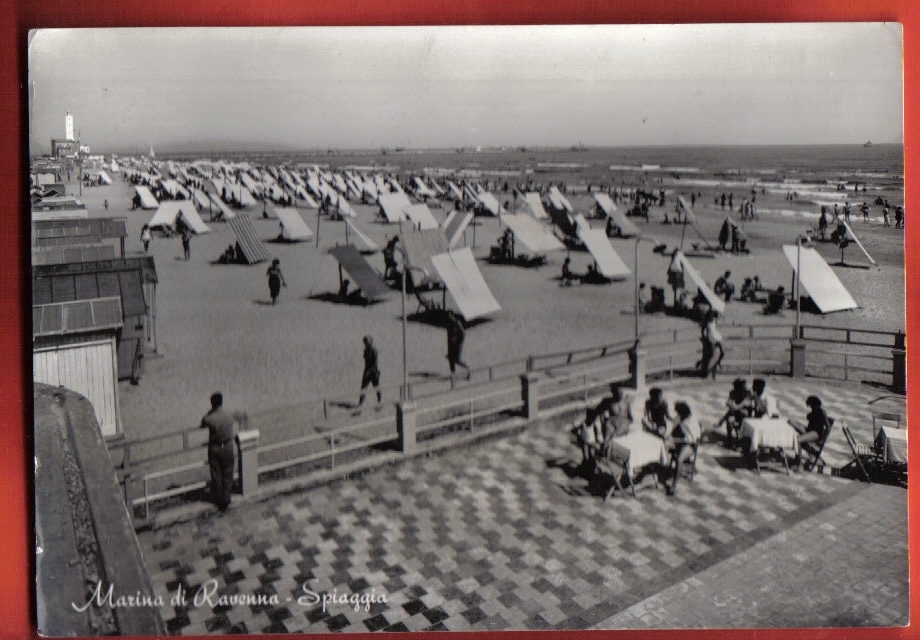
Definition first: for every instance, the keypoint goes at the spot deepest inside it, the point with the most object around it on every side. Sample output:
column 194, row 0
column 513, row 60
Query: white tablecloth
column 644, row 449
column 770, row 432
column 892, row 443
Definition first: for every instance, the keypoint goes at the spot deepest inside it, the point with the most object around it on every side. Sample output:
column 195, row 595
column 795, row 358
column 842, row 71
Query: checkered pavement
column 502, row 535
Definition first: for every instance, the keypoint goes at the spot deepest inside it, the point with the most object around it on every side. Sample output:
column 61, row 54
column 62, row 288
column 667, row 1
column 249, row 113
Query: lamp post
column 798, row 286
column 799, row 241
column 405, row 268
column 636, row 286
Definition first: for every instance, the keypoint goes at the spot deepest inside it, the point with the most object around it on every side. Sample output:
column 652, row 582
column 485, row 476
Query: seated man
column 815, row 427
column 723, row 288
column 620, row 414
column 657, row 413
column 747, row 290
column 763, row 404
column 738, row 407
column 776, row 302
column 685, row 434
column 567, row 275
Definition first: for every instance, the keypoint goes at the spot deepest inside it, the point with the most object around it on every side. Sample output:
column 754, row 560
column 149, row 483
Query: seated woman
column 816, row 424
column 657, row 413
column 686, row 433
column 738, row 407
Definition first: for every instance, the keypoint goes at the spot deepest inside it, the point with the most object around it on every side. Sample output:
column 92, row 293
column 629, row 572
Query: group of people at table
column 679, row 431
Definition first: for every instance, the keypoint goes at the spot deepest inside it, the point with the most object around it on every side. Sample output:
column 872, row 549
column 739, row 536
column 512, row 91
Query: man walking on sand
column 220, row 426
column 371, row 375
column 455, row 336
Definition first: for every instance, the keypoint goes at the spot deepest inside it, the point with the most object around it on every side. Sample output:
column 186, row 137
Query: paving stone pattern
column 508, row 535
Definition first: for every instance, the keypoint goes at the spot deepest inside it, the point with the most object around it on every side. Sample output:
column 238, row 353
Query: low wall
column 86, row 537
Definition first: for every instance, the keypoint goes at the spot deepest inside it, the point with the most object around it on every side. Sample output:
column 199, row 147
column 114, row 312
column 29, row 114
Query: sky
column 435, row 87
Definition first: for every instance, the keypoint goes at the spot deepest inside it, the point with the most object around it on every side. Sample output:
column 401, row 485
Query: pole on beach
column 317, row 226
column 636, row 289
column 798, row 286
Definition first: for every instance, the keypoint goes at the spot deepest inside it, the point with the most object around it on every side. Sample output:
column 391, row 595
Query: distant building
column 68, row 127
column 64, row 148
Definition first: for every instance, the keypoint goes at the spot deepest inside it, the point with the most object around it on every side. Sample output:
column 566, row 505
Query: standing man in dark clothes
column 371, row 375
column 186, row 243
column 455, row 337
column 220, row 426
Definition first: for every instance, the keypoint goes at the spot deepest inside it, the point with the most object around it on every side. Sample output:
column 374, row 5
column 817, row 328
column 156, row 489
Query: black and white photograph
column 468, row 328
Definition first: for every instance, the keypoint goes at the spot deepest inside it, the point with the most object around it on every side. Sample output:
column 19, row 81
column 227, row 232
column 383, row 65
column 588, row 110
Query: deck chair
column 614, row 461
column 814, row 449
column 860, row 452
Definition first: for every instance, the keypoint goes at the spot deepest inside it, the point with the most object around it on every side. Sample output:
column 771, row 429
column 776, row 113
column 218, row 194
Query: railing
column 174, row 464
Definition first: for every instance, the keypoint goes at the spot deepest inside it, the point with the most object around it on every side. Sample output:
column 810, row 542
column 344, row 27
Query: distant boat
column 868, row 144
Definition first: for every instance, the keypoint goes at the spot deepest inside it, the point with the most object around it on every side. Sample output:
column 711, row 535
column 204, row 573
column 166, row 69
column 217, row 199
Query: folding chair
column 614, row 462
column 860, row 451
column 690, row 466
column 816, row 448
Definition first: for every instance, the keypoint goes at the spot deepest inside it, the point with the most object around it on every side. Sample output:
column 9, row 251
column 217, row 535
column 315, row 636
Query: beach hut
column 293, row 228
column 73, row 253
column 63, row 233
column 819, row 280
column 74, row 346
column 169, row 212
column 463, row 279
column 250, row 249
column 132, row 280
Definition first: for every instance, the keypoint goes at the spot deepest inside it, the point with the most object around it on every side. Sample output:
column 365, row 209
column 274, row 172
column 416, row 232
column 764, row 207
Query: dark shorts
column 370, row 377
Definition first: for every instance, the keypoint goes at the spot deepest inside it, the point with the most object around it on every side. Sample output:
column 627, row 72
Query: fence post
column 405, row 425
column 529, row 393
column 797, row 364
column 133, row 491
column 637, row 366
column 248, row 443
column 899, row 361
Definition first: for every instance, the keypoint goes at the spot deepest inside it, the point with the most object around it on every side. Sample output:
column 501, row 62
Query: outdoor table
column 770, row 433
column 891, row 443
column 644, row 449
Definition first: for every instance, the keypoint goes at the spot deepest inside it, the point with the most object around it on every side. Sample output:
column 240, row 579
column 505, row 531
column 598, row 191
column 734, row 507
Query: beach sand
column 217, row 331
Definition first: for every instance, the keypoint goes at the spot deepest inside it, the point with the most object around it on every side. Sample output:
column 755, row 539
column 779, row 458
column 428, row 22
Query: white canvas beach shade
column 609, row 263
column 465, row 283
column 293, row 227
column 819, row 280
column 532, row 234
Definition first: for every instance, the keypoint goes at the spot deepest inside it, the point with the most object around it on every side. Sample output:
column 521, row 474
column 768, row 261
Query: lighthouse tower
column 68, row 127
